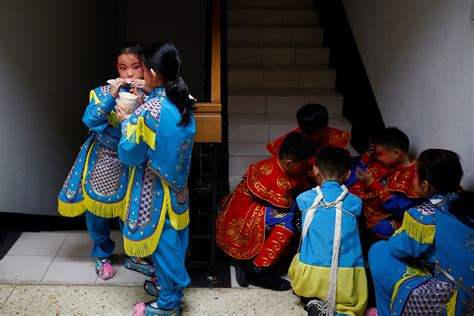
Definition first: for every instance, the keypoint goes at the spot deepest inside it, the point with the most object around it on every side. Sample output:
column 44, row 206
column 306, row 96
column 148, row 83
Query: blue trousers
column 386, row 272
column 169, row 259
column 99, row 230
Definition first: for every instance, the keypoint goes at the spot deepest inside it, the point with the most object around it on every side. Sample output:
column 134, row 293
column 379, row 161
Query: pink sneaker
column 371, row 312
column 104, row 269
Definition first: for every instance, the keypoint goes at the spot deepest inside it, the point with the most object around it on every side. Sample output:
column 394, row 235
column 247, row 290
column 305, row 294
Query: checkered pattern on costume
column 146, row 197
column 429, row 298
column 153, row 106
column 105, row 176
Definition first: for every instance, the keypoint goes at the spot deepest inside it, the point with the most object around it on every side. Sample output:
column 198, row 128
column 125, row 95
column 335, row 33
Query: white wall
column 50, row 56
column 419, row 58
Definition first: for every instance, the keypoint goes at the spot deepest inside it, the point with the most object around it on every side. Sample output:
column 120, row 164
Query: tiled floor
column 51, row 273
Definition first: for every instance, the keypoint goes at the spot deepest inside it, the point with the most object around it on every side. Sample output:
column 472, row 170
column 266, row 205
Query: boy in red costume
column 256, row 221
column 384, row 182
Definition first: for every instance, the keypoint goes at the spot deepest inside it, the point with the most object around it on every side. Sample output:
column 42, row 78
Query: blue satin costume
column 97, row 182
column 157, row 202
column 429, row 232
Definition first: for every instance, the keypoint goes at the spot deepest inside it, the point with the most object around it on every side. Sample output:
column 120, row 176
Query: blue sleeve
column 97, row 112
column 353, row 178
column 129, row 152
column 398, row 203
column 408, row 241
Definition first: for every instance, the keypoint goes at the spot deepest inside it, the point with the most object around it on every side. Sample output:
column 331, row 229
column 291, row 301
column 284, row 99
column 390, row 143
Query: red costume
column 331, row 137
column 386, row 181
column 241, row 224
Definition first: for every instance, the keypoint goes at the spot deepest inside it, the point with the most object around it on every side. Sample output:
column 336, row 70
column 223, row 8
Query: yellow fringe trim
column 140, row 131
column 409, row 273
column 101, row 209
column 113, row 120
column 147, row 247
column 423, row 233
column 93, row 96
column 178, row 221
column 131, row 176
column 71, row 209
column 451, row 306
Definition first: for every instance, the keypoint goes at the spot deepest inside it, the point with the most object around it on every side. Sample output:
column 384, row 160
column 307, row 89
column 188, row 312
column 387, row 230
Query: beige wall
column 419, row 58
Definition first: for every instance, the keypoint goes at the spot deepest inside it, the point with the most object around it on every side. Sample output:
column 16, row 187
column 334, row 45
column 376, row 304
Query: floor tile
column 23, row 269
column 5, row 292
column 77, row 244
column 38, row 244
column 71, row 270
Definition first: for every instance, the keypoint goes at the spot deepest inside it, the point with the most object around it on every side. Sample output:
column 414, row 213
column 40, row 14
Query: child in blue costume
column 329, row 268
column 437, row 235
column 98, row 181
column 157, row 141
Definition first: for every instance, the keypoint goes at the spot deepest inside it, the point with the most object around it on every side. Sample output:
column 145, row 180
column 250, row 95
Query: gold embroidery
column 283, row 184
column 266, row 169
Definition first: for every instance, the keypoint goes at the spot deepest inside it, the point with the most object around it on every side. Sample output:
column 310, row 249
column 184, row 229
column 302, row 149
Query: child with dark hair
column 157, row 141
column 256, row 221
column 384, row 181
column 98, row 181
column 329, row 269
column 313, row 123
column 435, row 236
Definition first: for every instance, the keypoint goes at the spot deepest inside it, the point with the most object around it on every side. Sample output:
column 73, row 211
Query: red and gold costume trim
column 240, row 227
column 273, row 247
column 386, row 181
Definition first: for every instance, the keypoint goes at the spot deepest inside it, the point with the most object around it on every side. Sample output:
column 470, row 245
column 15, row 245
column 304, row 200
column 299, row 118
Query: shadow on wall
column 360, row 106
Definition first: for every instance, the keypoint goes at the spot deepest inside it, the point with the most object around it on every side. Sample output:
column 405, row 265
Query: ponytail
column 178, row 92
column 164, row 58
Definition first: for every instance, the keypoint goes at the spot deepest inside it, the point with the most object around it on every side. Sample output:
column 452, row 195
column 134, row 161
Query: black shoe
column 312, row 309
column 240, row 268
column 262, row 277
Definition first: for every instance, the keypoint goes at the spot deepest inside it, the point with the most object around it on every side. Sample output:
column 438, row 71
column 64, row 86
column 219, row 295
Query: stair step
column 275, row 17
column 275, row 35
column 239, row 165
column 273, row 78
column 233, row 181
column 261, row 128
column 248, row 149
column 281, row 100
column 278, row 55
column 300, row 4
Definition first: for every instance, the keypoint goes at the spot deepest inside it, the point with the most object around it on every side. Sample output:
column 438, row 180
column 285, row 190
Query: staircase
column 276, row 63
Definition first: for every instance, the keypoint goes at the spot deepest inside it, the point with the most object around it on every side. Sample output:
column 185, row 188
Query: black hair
column 393, row 138
column 296, row 147
column 333, row 161
column 164, row 58
column 441, row 168
column 134, row 47
column 312, row 117
column 462, row 208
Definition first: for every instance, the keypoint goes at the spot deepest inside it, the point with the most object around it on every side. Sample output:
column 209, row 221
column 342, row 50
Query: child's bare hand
column 116, row 85
column 365, row 177
column 121, row 114
column 136, row 84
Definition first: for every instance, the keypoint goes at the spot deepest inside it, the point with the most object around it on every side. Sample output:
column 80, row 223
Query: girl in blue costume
column 328, row 271
column 437, row 235
column 97, row 183
column 157, row 141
